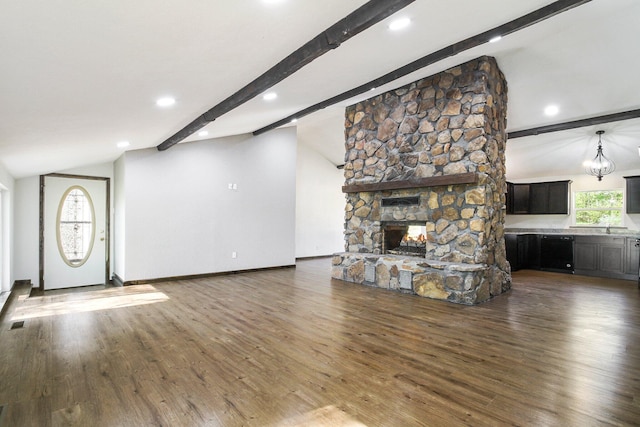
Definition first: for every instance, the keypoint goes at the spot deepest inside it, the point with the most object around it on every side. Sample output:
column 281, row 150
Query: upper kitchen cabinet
column 517, row 198
column 538, row 198
column 633, row 194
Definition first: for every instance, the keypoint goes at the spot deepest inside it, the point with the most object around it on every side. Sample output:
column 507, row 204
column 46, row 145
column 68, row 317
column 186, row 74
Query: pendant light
column 600, row 165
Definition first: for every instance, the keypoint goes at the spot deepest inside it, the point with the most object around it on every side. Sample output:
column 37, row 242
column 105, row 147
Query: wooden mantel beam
column 432, row 181
column 357, row 21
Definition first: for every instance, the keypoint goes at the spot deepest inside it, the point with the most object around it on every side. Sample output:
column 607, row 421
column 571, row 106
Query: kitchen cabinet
column 558, row 197
column 516, row 251
column 585, row 255
column 518, row 198
column 632, row 257
column 633, row 194
column 593, row 255
column 611, row 256
column 540, row 198
column 604, row 256
column 511, row 247
column 523, row 251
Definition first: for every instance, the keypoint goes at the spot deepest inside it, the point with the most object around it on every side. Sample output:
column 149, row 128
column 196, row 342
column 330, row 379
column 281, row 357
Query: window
column 599, row 208
column 75, row 230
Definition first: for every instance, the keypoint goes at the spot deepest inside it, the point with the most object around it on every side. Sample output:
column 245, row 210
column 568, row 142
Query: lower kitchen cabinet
column 606, row 256
column 632, row 257
column 523, row 251
column 513, row 253
column 611, row 256
column 585, row 256
column 602, row 256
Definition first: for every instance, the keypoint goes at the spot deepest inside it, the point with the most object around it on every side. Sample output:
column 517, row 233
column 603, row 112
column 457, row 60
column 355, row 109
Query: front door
column 74, row 231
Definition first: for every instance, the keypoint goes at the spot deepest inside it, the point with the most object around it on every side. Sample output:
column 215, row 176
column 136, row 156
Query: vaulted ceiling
column 80, row 77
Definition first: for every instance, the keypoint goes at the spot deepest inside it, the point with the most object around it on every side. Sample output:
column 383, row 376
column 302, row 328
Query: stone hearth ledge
column 454, row 282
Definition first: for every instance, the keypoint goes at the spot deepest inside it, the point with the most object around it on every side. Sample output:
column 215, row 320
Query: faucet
column 608, row 231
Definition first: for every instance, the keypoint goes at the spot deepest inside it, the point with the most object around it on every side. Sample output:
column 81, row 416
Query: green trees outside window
column 600, row 208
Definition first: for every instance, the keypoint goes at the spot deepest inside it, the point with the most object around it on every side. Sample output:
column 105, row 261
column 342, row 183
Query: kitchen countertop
column 578, row 231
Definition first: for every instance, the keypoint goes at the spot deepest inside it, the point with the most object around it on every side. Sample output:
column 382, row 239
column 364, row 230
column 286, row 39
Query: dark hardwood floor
column 291, row 347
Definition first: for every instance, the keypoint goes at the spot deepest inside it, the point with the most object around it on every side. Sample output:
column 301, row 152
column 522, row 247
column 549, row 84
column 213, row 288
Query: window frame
column 577, row 210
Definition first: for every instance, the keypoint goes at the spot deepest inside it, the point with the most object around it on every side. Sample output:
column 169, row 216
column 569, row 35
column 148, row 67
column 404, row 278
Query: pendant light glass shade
column 600, row 165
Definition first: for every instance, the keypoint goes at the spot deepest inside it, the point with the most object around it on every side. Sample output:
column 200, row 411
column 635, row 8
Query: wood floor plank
column 294, row 347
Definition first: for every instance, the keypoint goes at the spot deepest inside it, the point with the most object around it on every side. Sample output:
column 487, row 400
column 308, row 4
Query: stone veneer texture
column 451, row 123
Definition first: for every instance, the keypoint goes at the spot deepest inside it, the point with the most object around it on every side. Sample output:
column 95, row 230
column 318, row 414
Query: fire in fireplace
column 404, row 238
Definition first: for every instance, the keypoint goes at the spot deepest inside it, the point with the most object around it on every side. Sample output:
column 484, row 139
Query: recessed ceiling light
column 495, row 39
column 123, row 144
column 399, row 24
column 551, row 110
column 167, row 101
column 270, row 96
column 203, row 133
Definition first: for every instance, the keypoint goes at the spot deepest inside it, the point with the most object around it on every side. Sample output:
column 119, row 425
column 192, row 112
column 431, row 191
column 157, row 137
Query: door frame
column 107, row 222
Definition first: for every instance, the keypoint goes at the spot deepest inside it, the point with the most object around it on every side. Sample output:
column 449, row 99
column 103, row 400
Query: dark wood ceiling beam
column 598, row 120
column 359, row 20
column 451, row 50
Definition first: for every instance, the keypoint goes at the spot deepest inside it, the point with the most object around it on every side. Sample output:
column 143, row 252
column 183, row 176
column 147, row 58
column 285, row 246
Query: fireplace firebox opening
column 404, row 238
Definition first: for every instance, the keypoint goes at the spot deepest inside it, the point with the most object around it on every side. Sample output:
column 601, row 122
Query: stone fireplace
column 425, row 187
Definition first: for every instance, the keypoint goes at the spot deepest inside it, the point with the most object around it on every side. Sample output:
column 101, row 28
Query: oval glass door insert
column 75, row 226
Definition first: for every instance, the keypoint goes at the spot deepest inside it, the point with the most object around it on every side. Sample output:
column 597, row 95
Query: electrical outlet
column 230, row 186
column 234, row 254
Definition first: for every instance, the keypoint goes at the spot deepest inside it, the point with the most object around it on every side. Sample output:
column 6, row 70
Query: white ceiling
column 78, row 77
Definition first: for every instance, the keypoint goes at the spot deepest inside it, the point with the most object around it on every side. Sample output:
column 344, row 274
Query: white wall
column 319, row 205
column 27, row 219
column 7, row 191
column 118, row 225
column 181, row 218
column 26, row 229
column 583, row 182
column 283, row 208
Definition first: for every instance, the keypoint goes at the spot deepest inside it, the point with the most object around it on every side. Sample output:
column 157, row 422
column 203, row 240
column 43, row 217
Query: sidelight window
column 599, row 208
column 75, row 226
